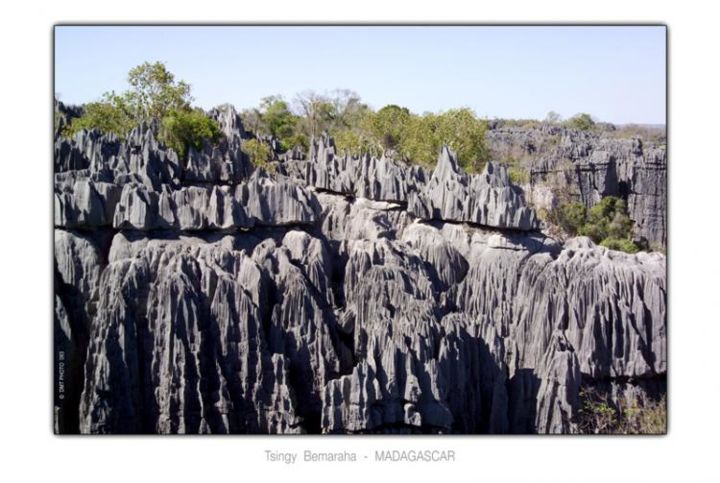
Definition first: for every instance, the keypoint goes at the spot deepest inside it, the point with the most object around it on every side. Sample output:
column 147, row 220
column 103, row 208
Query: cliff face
column 334, row 295
column 592, row 165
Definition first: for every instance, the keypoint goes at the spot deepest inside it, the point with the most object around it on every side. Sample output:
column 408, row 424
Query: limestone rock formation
column 591, row 165
column 487, row 199
column 337, row 295
column 223, row 162
column 379, row 179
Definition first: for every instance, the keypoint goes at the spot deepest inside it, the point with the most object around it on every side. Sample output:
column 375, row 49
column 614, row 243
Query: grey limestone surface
column 335, row 295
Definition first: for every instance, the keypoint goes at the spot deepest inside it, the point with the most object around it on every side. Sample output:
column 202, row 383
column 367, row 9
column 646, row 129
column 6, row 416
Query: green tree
column 573, row 217
column 620, row 244
column 349, row 121
column 110, row 115
column 356, row 129
column 606, row 223
column 582, row 121
column 259, row 152
column 389, row 126
column 356, row 142
column 347, row 110
column 518, row 175
column 419, row 144
column 154, row 92
column 606, row 219
column 253, row 121
column 278, row 121
column 154, row 95
column 599, row 413
column 184, row 128
column 332, row 112
column 465, row 134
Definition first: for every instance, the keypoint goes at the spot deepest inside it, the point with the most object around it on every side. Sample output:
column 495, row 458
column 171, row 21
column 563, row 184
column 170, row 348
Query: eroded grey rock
column 379, row 179
column 488, row 199
column 340, row 295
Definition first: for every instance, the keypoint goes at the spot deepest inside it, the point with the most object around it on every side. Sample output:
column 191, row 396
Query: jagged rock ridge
column 337, row 295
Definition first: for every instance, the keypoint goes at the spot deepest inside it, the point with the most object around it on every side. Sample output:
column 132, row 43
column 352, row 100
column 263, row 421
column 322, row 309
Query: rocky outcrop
column 338, row 295
column 591, row 165
column 379, row 179
column 223, row 162
column 260, row 200
column 487, row 199
column 448, row 194
column 179, row 346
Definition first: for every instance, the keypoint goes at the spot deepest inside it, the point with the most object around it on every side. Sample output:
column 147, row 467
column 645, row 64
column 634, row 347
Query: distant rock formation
column 593, row 165
column 337, row 295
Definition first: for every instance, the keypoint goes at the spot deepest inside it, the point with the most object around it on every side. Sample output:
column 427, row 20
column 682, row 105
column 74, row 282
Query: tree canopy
column 357, row 129
column 607, row 223
column 582, row 121
column 154, row 95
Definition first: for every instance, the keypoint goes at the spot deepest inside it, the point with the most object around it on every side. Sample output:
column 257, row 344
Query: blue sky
column 615, row 73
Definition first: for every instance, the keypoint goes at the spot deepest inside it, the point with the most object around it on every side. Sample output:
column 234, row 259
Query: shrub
column 418, row 143
column 182, row 129
column 355, row 144
column 465, row 133
column 608, row 219
column 357, row 129
column 620, row 244
column 543, row 214
column 389, row 126
column 572, row 217
column 109, row 116
column 518, row 175
column 259, row 153
column 657, row 247
column 279, row 120
column 582, row 121
column 299, row 140
column 598, row 414
column 606, row 223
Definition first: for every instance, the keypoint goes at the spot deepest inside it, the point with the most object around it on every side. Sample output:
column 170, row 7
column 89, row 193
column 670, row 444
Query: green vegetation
column 110, row 115
column 572, row 217
column 607, row 223
column 465, row 133
column 518, row 175
column 60, row 122
column 259, row 153
column 582, row 121
column 389, row 126
column 154, row 96
column 357, row 129
column 517, row 172
column 274, row 118
column 184, row 128
column 620, row 244
column 599, row 415
column 154, row 92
